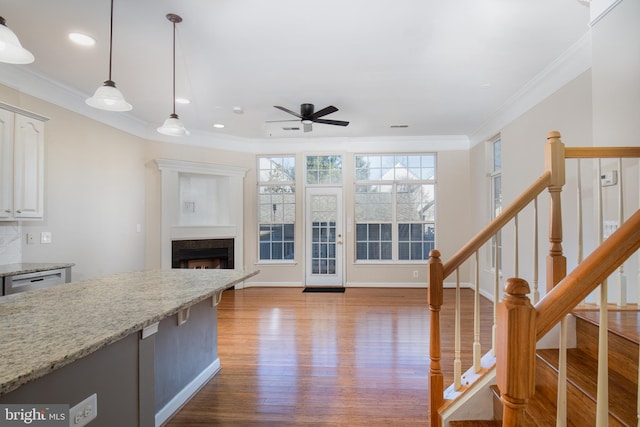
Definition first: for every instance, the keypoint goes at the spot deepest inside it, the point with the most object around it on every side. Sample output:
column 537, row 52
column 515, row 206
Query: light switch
column 45, row 237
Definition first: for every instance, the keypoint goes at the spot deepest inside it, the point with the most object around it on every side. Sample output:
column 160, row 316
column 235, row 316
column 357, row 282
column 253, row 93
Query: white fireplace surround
column 214, row 209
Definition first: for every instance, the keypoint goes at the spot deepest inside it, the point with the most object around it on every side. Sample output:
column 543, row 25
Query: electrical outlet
column 415, row 274
column 30, row 239
column 84, row 412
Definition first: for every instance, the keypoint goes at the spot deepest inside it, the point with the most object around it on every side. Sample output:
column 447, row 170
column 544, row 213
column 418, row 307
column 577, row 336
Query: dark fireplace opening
column 202, row 253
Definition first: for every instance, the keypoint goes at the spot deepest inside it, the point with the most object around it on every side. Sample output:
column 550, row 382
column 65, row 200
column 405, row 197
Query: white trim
column 450, row 285
column 186, row 393
column 601, row 8
column 195, row 232
column 272, row 285
column 41, row 86
column 200, row 168
column 573, row 62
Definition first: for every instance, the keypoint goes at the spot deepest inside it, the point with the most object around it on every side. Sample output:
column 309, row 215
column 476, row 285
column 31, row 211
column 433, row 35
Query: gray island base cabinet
column 142, row 371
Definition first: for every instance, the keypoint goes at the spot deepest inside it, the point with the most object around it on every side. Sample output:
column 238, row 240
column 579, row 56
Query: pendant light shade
column 11, row 51
column 108, row 97
column 173, row 126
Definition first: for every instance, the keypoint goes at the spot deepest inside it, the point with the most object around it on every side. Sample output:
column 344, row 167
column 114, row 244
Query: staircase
column 525, row 376
column 581, row 376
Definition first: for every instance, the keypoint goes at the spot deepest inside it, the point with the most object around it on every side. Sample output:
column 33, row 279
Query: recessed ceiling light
column 218, row 125
column 183, row 101
column 82, row 39
column 238, row 110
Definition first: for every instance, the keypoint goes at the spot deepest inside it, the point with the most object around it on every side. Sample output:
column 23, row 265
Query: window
column 276, row 208
column 395, row 206
column 324, row 170
column 496, row 196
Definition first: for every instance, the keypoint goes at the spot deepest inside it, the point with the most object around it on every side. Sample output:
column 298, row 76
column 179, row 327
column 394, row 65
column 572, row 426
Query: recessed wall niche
column 201, row 201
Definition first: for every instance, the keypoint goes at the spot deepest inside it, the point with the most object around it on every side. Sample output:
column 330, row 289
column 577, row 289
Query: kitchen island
column 143, row 341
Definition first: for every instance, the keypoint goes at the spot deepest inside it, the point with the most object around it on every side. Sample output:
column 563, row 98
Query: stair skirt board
column 475, row 404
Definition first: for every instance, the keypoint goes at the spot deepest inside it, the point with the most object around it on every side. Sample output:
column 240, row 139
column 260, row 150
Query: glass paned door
column 324, row 237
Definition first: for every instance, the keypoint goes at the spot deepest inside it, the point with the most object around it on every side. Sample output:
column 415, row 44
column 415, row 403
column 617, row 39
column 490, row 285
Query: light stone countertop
column 31, row 267
column 46, row 329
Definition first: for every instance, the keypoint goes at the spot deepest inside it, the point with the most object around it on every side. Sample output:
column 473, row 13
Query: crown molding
column 572, row 63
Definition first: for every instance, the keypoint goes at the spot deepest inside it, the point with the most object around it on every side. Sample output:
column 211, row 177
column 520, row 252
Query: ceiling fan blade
column 278, row 121
column 286, row 110
column 331, row 122
column 307, row 127
column 326, row 110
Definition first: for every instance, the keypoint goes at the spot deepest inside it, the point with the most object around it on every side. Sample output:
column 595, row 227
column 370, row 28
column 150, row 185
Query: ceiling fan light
column 11, row 51
column 173, row 127
column 108, row 97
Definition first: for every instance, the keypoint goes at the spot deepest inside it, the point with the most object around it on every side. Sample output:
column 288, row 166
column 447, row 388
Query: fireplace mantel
column 214, row 208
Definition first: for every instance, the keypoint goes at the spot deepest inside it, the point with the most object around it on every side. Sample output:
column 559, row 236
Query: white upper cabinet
column 21, row 165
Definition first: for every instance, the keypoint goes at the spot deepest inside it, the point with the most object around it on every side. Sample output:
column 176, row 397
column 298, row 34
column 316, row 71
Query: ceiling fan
column 307, row 116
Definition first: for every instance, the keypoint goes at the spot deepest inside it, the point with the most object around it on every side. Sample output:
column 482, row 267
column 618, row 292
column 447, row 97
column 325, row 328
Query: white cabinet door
column 28, row 168
column 21, row 164
column 6, row 164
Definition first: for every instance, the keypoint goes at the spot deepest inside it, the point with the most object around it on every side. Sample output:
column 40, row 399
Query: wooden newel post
column 554, row 162
column 435, row 299
column 516, row 351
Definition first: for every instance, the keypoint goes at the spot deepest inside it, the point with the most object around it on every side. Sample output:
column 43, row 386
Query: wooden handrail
column 602, row 262
column 601, row 152
column 498, row 223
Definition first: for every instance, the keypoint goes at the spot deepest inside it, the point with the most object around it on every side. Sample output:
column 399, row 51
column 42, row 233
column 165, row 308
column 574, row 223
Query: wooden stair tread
column 623, row 323
column 582, row 372
column 541, row 411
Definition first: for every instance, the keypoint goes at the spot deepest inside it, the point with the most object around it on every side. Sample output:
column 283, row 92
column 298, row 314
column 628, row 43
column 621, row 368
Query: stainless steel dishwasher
column 37, row 280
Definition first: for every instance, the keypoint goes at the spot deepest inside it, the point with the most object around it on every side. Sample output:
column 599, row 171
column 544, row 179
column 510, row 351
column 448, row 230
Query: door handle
column 338, row 242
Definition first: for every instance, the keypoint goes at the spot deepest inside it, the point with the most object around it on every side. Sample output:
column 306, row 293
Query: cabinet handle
column 18, row 211
column 7, row 210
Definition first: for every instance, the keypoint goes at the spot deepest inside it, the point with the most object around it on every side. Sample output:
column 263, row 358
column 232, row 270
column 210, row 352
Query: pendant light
column 11, row 51
column 108, row 97
column 173, row 126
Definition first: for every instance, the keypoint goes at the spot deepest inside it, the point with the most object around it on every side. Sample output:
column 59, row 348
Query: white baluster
column 561, row 404
column 602, row 395
column 477, row 349
column 579, row 219
column 599, row 220
column 496, row 297
column 622, row 279
column 457, row 362
column 536, row 291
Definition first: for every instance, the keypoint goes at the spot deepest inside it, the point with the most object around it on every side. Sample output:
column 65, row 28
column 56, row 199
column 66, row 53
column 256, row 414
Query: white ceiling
column 440, row 67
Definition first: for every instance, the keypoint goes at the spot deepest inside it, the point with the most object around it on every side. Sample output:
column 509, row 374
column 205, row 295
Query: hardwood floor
column 327, row 359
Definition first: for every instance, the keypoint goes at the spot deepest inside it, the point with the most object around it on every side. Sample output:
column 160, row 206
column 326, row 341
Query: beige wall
column 102, row 186
column 569, row 111
column 94, row 194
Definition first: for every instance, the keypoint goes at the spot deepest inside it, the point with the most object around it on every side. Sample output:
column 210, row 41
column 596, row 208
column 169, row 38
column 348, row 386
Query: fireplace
column 202, row 253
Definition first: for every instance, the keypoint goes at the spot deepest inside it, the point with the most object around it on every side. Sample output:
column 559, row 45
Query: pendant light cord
column 174, row 67
column 111, row 40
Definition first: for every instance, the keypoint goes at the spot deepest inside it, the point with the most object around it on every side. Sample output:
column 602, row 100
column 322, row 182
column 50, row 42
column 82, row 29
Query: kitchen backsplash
column 10, row 243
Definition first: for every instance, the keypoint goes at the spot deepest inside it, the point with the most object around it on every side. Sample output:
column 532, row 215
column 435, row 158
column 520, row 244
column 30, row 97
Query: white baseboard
column 186, row 393
column 419, row 285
